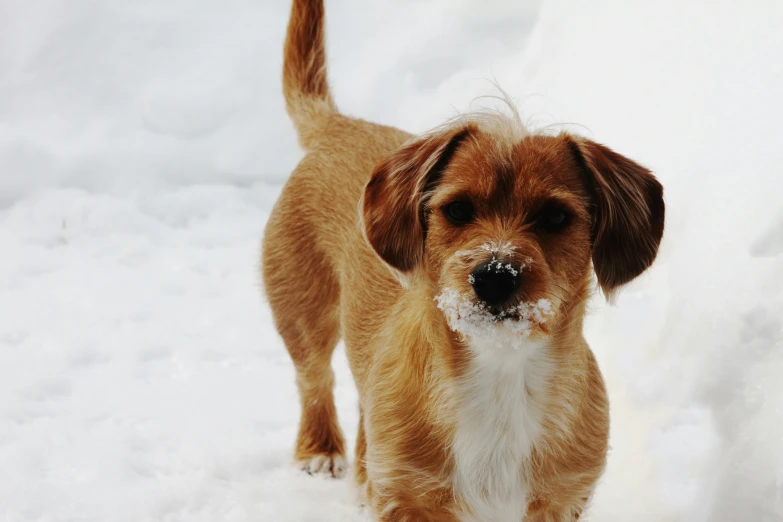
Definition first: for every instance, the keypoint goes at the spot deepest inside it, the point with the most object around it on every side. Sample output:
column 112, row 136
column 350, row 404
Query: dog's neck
column 498, row 397
column 500, row 402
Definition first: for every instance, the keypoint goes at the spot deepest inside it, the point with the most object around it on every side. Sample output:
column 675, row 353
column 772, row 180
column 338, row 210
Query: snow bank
column 142, row 145
column 694, row 347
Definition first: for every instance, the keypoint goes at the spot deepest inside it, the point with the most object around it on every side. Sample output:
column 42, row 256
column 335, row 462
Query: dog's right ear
column 391, row 207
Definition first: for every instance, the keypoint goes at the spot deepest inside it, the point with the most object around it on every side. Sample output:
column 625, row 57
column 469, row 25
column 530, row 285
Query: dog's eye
column 552, row 219
column 459, row 212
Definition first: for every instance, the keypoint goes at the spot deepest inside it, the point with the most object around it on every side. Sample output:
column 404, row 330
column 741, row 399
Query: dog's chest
column 499, row 410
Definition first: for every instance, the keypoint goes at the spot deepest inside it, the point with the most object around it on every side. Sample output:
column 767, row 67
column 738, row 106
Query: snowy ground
column 141, row 147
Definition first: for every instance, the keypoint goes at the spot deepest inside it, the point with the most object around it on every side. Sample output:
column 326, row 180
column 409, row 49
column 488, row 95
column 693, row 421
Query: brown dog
column 455, row 265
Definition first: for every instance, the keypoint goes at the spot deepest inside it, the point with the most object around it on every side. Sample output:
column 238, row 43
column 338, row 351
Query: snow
column 143, row 143
column 477, row 324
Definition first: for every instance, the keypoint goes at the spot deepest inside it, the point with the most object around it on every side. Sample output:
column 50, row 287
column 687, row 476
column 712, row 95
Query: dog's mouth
column 509, row 311
column 502, row 315
column 475, row 320
column 534, row 311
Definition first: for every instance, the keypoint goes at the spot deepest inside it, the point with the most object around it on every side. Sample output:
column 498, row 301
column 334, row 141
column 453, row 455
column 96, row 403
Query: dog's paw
column 333, row 465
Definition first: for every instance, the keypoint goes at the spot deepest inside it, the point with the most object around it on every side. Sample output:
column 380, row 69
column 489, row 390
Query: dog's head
column 504, row 225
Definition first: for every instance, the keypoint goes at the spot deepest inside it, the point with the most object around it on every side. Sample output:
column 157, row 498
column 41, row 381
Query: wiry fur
column 454, row 425
column 308, row 100
column 502, row 401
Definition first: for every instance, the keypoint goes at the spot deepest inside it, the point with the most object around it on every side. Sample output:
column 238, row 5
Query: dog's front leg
column 570, row 514
column 416, row 515
column 408, row 497
column 405, row 475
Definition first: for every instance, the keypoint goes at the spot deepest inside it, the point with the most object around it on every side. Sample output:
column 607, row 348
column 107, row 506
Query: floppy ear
column 628, row 214
column 392, row 204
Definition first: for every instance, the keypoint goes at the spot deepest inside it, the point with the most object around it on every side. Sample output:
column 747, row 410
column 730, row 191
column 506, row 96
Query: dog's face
column 504, row 229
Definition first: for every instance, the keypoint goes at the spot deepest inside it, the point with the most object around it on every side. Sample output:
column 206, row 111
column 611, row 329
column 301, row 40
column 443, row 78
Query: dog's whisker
column 558, row 297
column 567, row 293
column 567, row 318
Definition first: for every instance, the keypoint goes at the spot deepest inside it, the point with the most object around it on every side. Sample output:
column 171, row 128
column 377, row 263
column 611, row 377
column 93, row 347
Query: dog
column 455, row 265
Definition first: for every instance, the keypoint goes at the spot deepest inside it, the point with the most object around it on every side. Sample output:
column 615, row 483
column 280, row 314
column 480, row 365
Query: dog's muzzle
column 494, row 282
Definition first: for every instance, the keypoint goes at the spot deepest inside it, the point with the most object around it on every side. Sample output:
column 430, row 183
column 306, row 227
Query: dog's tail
column 308, row 101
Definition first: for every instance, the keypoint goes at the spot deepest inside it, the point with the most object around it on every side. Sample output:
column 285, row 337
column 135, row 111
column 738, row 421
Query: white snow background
column 143, row 143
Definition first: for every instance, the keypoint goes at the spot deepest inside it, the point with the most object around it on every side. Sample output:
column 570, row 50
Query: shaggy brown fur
column 361, row 242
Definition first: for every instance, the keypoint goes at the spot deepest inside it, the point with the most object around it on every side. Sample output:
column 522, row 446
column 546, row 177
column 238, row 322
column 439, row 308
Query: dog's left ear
column 628, row 213
column 391, row 208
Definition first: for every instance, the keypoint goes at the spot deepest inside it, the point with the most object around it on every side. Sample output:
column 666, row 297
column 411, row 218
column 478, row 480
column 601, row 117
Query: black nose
column 494, row 282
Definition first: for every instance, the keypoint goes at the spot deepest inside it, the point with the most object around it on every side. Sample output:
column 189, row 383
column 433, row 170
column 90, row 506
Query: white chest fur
column 500, row 402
